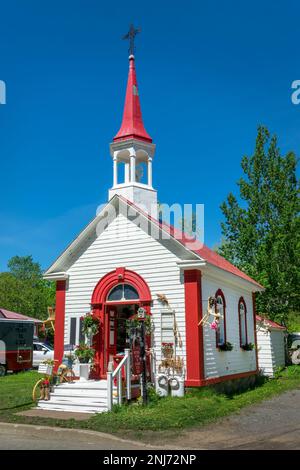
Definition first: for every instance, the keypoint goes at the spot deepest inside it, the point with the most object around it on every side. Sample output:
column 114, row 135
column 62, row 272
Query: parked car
column 41, row 352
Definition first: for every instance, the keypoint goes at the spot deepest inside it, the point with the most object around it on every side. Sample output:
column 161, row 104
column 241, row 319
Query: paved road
column 28, row 437
column 273, row 424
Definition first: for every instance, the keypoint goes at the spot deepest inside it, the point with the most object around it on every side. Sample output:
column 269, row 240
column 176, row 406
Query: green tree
column 261, row 229
column 23, row 290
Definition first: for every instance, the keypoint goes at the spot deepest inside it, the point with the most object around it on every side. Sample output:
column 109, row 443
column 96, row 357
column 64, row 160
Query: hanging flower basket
column 90, row 325
column 133, row 324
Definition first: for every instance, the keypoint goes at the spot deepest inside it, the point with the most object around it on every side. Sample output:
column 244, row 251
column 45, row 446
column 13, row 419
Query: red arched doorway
column 106, row 304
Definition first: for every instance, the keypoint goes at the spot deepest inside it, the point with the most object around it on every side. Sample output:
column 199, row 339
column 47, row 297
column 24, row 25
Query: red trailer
column 16, row 344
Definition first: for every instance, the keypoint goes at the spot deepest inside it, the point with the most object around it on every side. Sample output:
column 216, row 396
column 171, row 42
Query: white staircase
column 80, row 396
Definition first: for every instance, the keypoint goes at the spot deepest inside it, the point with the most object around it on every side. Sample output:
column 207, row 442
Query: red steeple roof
column 132, row 126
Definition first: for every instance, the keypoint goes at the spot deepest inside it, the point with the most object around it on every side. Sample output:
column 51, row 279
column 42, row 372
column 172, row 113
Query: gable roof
column 269, row 323
column 207, row 254
column 190, row 246
column 8, row 315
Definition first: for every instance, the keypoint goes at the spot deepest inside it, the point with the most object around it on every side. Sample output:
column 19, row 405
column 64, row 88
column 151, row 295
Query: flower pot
column 45, row 369
column 83, row 360
column 84, row 372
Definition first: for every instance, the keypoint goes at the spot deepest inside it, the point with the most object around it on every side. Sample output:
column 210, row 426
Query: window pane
column 130, row 293
column 221, row 338
column 73, row 331
column 221, row 329
column 116, row 293
column 123, row 292
column 243, row 323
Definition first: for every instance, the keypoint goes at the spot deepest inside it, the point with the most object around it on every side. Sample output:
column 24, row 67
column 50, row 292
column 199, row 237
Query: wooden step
column 48, row 405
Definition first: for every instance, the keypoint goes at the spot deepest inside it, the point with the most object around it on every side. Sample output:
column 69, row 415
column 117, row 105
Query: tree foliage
column 261, row 228
column 23, row 290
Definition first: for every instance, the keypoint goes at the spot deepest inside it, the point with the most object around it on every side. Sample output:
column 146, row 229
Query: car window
column 37, row 347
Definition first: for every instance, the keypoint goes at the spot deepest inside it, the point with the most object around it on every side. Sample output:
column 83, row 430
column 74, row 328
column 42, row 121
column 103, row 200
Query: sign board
column 137, row 366
column 141, row 313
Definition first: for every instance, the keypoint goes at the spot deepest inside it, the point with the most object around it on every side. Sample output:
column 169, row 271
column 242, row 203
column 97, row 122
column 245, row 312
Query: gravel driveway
column 273, row 424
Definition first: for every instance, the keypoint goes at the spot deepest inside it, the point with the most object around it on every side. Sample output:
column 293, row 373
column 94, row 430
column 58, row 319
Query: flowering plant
column 84, row 353
column 214, row 325
column 90, row 324
column 45, row 383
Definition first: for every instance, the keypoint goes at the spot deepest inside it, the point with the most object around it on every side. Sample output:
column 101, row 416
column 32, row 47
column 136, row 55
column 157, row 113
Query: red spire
column 132, row 126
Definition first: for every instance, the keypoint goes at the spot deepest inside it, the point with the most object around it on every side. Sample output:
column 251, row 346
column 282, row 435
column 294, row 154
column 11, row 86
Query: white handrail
column 125, row 362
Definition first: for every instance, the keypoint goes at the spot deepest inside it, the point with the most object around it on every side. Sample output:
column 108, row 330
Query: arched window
column 243, row 322
column 221, row 309
column 122, row 292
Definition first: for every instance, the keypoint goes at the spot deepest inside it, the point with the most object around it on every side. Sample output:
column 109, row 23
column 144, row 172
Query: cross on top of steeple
column 131, row 35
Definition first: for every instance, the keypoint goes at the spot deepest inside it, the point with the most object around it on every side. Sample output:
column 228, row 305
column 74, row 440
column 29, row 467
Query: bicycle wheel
column 36, row 393
column 67, row 376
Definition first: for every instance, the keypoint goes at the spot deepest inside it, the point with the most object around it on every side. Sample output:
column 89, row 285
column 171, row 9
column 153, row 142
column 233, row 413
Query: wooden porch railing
column 117, row 373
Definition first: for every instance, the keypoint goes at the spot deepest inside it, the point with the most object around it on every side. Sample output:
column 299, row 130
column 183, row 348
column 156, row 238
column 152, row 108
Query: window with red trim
column 221, row 309
column 243, row 322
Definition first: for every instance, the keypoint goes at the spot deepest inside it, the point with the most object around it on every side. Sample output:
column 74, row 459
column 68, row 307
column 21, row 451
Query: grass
column 198, row 407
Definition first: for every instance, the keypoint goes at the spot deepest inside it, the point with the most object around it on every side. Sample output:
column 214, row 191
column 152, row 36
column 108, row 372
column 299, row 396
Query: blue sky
column 208, row 73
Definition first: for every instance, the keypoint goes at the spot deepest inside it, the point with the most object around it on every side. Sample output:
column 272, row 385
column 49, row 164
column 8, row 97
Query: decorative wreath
column 162, row 380
column 174, row 383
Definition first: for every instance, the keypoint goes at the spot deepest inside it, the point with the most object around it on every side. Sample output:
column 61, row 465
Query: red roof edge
column 272, row 324
column 8, row 315
column 202, row 250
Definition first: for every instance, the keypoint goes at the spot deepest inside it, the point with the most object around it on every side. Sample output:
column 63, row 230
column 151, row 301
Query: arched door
column 115, row 292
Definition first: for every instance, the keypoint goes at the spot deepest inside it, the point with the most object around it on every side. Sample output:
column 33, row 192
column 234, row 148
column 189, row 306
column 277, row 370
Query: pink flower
column 214, row 325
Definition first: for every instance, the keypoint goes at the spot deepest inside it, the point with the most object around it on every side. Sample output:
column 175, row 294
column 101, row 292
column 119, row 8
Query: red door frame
column 99, row 306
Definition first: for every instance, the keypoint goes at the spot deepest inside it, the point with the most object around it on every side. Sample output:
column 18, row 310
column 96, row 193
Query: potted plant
column 225, row 346
column 247, row 346
column 84, row 353
column 90, row 325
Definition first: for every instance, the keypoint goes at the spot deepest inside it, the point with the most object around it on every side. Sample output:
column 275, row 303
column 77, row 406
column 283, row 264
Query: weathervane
column 131, row 35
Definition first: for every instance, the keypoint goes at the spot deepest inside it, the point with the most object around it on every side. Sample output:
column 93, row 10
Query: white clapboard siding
column 217, row 363
column 271, row 350
column 125, row 244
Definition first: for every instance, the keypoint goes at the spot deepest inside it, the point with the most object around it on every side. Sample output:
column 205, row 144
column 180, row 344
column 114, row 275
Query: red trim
column 270, row 323
column 214, row 380
column 59, row 321
column 132, row 126
column 115, row 277
column 198, row 247
column 219, row 293
column 242, row 301
column 100, row 306
column 254, row 326
column 194, row 331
